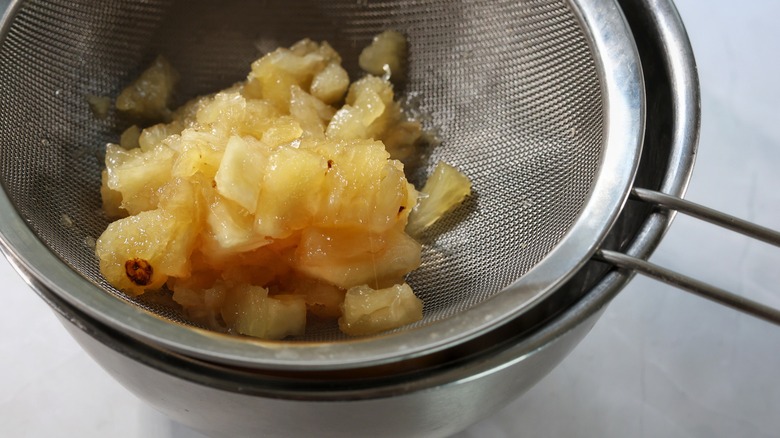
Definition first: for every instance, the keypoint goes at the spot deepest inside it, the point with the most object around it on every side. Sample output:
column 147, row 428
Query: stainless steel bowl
column 445, row 393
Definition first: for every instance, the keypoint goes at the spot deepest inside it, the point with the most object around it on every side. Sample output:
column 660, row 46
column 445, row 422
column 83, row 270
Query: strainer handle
column 689, row 284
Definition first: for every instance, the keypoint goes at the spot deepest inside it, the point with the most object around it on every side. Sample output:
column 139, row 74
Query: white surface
column 658, row 363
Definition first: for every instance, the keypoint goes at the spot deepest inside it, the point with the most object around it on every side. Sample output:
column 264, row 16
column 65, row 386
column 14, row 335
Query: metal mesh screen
column 510, row 88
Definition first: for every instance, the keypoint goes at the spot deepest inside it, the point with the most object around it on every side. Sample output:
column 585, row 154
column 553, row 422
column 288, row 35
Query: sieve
column 539, row 102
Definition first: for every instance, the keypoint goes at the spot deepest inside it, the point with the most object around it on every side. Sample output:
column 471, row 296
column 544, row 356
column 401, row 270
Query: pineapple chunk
column 370, row 112
column 138, row 175
column 241, row 300
column 240, row 173
column 259, row 117
column 199, row 154
column 130, row 137
column 272, row 84
column 386, row 55
column 112, row 200
column 249, row 310
column 262, row 266
column 364, row 187
column 282, row 131
column 273, row 75
column 401, row 140
column 231, row 113
column 347, row 257
column 201, row 305
column 148, row 96
column 443, row 191
column 322, row 300
column 365, row 114
column 231, row 228
column 152, row 136
column 202, row 276
column 224, row 110
column 307, row 46
column 330, row 84
column 312, row 114
column 368, row 311
column 285, row 316
column 99, row 105
column 290, row 192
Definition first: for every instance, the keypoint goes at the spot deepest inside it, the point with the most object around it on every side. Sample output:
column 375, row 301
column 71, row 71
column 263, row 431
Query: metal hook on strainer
column 687, row 283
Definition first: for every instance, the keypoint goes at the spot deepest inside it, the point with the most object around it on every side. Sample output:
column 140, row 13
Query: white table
column 658, row 363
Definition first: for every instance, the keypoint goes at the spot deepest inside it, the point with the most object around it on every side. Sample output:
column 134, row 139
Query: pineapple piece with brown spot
column 139, row 252
column 364, row 188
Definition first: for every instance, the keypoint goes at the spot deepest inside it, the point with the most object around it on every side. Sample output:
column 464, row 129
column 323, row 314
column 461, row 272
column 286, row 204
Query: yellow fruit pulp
column 264, row 203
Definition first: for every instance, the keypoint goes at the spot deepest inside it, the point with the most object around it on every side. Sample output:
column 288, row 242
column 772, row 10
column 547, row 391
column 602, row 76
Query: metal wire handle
column 689, row 284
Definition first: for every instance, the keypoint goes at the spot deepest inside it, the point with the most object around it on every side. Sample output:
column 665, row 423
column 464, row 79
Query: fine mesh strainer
column 539, row 102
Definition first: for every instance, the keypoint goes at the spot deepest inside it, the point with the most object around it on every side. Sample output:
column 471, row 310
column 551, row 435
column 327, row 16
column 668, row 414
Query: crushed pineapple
column 264, row 204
